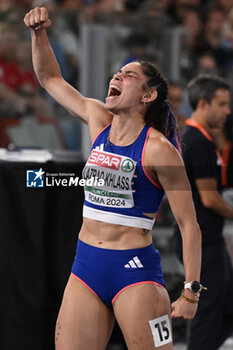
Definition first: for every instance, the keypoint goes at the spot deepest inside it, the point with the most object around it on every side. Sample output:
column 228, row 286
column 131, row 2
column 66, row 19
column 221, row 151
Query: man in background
column 209, row 98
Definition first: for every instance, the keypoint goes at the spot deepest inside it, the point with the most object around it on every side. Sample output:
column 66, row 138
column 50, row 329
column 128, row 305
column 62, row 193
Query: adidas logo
column 134, row 263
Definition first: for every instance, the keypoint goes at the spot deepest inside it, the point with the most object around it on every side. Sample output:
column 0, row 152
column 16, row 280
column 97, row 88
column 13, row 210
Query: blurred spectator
column 11, row 102
column 192, row 24
column 51, row 5
column 212, row 39
column 54, row 34
column 70, row 4
column 192, row 29
column 24, row 4
column 27, row 119
column 137, row 45
column 225, row 5
column 155, row 8
column 66, row 29
column 6, row 5
column 133, row 5
column 24, row 62
column 207, row 63
column 178, row 8
column 9, row 74
column 228, row 30
column 175, row 99
column 109, row 6
column 19, row 88
column 29, row 88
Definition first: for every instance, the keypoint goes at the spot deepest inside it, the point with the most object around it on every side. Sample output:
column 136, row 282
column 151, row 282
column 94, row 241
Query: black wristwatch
column 194, row 286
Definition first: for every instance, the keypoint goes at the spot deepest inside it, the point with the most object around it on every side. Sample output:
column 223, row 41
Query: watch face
column 196, row 287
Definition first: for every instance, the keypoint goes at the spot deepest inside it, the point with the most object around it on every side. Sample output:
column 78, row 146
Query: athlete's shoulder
column 159, row 148
column 158, row 142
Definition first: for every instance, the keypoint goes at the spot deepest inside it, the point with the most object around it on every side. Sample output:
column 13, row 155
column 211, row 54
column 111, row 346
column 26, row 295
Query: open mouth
column 114, row 91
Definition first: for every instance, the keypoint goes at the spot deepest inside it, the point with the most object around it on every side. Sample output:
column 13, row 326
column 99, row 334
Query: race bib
column 161, row 330
column 117, row 173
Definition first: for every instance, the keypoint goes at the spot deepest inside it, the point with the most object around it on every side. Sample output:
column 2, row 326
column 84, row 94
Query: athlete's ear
column 149, row 95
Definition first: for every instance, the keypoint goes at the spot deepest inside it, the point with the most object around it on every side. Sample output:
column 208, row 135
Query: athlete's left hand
column 183, row 309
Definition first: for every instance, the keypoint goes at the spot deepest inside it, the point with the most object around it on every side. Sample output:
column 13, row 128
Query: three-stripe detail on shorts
column 134, row 263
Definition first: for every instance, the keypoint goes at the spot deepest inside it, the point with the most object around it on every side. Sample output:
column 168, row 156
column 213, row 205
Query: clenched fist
column 37, row 18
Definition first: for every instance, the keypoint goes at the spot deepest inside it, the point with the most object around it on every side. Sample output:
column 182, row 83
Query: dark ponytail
column 159, row 113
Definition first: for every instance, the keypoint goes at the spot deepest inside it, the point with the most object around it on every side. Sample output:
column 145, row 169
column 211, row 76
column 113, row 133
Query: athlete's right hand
column 37, row 19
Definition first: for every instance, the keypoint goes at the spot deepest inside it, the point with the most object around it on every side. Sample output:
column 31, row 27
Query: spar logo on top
column 111, row 161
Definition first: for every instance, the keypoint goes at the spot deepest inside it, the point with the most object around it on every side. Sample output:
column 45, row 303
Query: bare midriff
column 111, row 236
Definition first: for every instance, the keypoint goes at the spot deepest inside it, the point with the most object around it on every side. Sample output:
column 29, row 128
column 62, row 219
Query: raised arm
column 49, row 75
column 166, row 162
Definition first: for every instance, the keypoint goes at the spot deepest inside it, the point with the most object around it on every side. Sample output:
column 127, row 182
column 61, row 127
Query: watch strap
column 188, row 285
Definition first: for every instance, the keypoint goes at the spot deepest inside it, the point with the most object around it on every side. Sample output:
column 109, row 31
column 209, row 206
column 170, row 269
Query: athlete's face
column 126, row 88
column 218, row 109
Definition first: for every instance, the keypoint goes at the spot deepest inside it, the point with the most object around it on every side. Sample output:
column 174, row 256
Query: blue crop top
column 126, row 191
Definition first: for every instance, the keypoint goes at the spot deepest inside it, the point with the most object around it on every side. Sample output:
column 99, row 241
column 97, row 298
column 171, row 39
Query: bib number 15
column 161, row 330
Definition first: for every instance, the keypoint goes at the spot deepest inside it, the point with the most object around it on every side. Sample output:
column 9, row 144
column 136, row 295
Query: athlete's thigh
column 138, row 305
column 84, row 321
